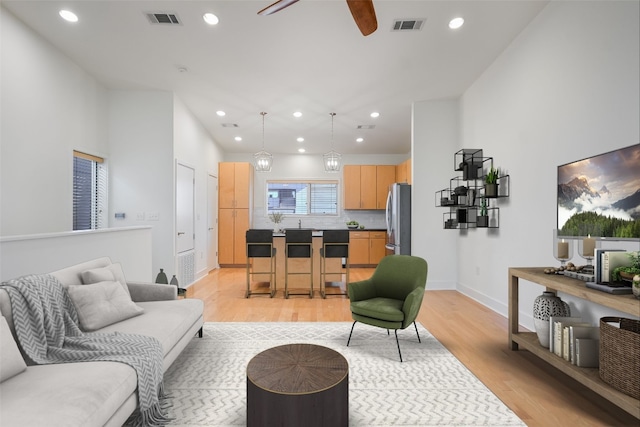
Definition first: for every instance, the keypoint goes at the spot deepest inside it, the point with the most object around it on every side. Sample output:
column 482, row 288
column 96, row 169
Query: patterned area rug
column 207, row 384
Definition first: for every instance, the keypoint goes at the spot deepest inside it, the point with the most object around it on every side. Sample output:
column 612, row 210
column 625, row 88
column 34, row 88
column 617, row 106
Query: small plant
column 276, row 217
column 483, row 207
column 492, row 176
column 629, row 270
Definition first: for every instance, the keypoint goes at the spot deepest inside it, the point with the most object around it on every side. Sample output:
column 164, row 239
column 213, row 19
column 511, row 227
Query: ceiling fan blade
column 364, row 15
column 276, row 7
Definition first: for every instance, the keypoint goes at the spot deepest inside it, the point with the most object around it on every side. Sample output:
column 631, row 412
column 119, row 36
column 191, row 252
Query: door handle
column 180, row 233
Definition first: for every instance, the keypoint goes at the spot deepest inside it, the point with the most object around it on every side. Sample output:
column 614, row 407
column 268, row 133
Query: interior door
column 212, row 222
column 185, row 183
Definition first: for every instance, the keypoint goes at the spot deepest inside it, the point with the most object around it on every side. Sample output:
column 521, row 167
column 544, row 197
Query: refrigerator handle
column 388, row 212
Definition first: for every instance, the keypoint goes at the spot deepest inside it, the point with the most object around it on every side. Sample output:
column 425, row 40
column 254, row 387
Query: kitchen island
column 301, row 265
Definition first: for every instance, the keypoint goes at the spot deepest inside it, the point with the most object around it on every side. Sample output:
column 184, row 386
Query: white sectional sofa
column 92, row 393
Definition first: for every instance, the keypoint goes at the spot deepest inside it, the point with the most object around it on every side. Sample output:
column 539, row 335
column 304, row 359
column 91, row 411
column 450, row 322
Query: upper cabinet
column 385, row 176
column 234, row 184
column 366, row 186
column 403, row 172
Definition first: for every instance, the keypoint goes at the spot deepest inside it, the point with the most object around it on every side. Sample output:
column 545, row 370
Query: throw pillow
column 11, row 361
column 110, row 273
column 102, row 304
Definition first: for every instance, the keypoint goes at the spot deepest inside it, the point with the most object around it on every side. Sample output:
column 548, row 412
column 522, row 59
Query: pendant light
column 332, row 159
column 262, row 160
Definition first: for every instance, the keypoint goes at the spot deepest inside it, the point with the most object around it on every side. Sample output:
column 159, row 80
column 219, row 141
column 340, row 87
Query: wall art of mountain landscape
column 600, row 195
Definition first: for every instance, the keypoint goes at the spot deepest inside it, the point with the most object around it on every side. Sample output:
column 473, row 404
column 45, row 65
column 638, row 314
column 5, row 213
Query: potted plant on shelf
column 276, row 218
column 628, row 272
column 483, row 218
column 491, row 183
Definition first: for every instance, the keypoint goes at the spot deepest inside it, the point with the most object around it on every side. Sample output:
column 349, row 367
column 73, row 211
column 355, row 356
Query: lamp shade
column 332, row 161
column 262, row 161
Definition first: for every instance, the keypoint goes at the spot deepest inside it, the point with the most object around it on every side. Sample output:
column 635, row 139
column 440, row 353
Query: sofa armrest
column 141, row 292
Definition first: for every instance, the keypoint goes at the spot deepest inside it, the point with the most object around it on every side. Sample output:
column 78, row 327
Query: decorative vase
column 635, row 286
column 162, row 277
column 174, row 281
column 545, row 306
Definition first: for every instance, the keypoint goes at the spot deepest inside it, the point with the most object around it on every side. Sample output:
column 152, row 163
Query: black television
column 600, row 195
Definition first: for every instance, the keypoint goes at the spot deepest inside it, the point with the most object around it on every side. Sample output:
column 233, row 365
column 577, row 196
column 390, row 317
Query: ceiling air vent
column 365, row 126
column 407, row 24
column 229, row 125
column 163, row 18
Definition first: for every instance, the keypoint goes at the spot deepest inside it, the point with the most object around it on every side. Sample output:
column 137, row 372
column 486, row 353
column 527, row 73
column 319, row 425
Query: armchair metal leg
column 398, row 343
column 416, row 326
column 354, row 324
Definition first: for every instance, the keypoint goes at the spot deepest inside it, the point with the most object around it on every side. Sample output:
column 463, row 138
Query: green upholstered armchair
column 391, row 298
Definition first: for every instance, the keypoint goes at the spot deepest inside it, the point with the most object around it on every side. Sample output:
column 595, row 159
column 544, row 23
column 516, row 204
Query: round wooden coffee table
column 298, row 385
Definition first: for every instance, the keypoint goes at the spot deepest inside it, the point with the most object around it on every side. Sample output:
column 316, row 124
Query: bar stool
column 298, row 244
column 260, row 245
column 335, row 244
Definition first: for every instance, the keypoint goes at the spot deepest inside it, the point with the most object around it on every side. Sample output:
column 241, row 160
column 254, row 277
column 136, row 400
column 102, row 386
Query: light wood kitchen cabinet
column 234, row 185
column 366, row 186
column 358, row 248
column 377, row 249
column 385, row 176
column 403, row 172
column 359, row 193
column 234, row 211
column 232, row 228
column 366, row 248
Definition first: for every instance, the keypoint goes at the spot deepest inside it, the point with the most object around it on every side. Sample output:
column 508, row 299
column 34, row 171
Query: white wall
column 567, row 88
column 193, row 146
column 50, row 107
column 141, row 169
column 435, row 137
column 44, row 253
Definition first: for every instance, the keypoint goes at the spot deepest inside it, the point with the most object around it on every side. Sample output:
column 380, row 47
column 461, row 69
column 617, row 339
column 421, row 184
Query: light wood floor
column 539, row 394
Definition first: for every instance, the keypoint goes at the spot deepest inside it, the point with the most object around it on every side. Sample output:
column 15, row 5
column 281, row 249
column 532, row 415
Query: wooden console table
column 589, row 377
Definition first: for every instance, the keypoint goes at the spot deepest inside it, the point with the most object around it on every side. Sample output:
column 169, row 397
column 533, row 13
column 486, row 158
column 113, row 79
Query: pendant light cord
column 263, row 114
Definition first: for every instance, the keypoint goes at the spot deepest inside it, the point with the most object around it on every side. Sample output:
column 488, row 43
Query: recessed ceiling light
column 210, row 18
column 375, row 114
column 301, row 150
column 221, row 113
column 297, row 114
column 300, row 139
column 238, row 138
column 67, row 15
column 359, row 139
column 456, row 23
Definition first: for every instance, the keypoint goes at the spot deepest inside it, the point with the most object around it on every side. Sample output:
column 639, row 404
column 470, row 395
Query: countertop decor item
column 544, row 306
column 276, row 218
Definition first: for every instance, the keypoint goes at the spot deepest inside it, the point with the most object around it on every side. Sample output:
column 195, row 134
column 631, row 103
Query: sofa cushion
column 102, row 304
column 66, row 394
column 168, row 321
column 11, row 361
column 109, row 273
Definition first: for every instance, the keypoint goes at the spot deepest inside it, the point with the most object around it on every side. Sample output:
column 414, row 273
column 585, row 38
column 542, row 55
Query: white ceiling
column 310, row 57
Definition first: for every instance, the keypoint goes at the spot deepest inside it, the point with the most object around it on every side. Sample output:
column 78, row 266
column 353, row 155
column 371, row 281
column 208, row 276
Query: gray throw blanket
column 46, row 324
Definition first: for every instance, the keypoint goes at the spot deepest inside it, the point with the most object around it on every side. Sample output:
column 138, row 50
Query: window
column 302, row 198
column 89, row 191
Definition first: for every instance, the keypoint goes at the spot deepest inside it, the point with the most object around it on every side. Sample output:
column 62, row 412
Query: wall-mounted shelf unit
column 472, row 203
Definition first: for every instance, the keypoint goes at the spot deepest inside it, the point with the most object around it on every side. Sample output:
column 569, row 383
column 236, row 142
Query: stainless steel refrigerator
column 398, row 218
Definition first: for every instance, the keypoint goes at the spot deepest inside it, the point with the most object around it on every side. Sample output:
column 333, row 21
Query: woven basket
column 620, row 354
